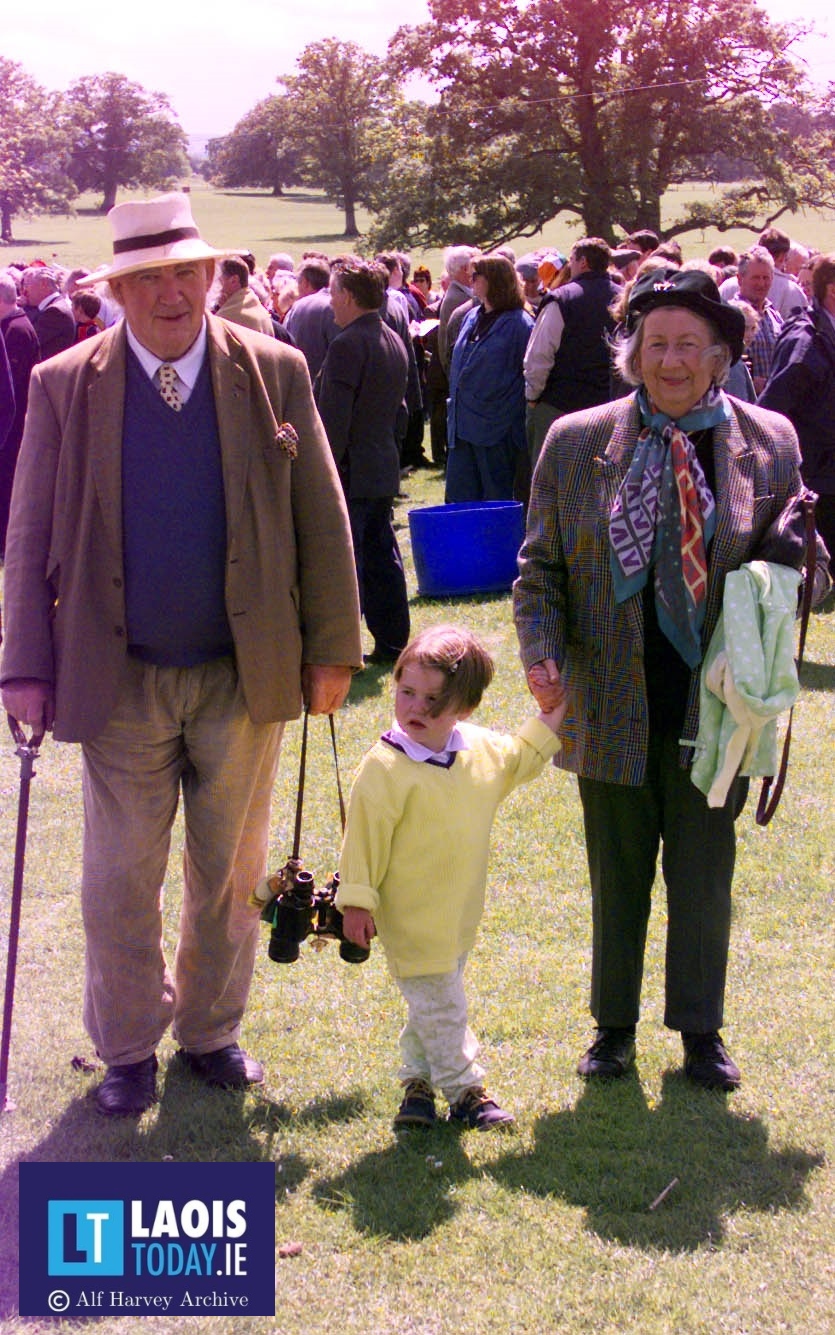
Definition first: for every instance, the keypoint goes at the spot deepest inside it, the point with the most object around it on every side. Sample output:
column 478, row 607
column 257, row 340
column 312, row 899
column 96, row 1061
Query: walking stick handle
column 24, row 746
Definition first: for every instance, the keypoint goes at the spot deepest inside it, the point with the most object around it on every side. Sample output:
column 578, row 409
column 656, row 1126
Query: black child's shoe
column 478, row 1111
column 418, row 1106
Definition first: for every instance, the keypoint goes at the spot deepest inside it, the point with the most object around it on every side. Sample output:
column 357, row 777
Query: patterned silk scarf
column 664, row 517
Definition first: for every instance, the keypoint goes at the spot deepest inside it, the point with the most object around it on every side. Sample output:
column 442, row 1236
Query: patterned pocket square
column 287, row 437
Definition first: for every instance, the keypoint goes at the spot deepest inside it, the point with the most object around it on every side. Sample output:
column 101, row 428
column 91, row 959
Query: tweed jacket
column 291, row 593
column 564, row 602
column 244, row 308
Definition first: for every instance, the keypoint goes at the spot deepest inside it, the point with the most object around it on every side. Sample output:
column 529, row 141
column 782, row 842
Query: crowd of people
column 206, row 457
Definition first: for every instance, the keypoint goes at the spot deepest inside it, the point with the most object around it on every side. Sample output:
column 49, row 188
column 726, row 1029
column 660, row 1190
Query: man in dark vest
column 567, row 358
column 179, row 577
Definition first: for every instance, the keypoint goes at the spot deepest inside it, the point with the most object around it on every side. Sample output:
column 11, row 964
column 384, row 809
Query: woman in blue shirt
column 486, row 409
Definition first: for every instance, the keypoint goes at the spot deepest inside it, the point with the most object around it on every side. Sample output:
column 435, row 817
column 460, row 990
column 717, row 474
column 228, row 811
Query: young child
column 413, row 865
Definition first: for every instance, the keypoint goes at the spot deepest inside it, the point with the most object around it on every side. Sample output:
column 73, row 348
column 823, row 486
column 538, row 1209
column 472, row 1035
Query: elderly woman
column 486, row 411
column 639, row 509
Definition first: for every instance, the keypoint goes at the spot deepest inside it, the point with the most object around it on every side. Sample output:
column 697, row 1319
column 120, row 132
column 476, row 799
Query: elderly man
column 49, row 311
column 360, row 393
column 458, row 263
column 179, row 576
column 567, row 358
column 755, row 276
column 785, row 292
column 310, row 319
column 801, row 386
column 238, row 302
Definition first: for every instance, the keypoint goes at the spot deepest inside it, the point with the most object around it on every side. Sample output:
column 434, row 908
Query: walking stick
column 28, row 752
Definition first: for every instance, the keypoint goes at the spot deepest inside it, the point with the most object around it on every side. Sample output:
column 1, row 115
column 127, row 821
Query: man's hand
column 324, row 686
column 545, row 684
column 30, row 702
column 358, row 927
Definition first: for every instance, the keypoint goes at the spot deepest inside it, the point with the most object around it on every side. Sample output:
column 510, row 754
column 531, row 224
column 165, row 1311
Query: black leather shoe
column 611, row 1054
column 381, row 657
column 128, row 1091
column 228, row 1068
column 707, row 1063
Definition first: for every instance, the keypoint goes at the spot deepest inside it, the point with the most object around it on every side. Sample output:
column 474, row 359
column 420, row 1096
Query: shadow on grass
column 404, row 1192
column 817, row 676
column 224, row 1126
column 33, row 241
column 374, row 680
column 323, row 238
column 613, row 1154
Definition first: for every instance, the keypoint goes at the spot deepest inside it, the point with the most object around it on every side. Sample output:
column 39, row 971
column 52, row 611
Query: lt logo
column 86, row 1238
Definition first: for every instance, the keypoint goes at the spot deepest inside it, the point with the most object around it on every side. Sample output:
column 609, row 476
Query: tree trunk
column 109, row 200
column 6, row 215
column 351, row 228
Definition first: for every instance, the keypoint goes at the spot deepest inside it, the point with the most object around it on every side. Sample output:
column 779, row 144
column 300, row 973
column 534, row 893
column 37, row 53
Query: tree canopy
column 595, row 108
column 339, row 102
column 260, row 150
column 33, row 149
column 121, row 135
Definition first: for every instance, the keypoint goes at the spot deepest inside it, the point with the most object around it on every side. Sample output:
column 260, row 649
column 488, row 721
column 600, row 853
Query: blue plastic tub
column 467, row 547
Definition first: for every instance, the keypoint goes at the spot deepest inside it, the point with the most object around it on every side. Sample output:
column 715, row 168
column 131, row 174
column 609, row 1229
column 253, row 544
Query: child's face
column 414, row 695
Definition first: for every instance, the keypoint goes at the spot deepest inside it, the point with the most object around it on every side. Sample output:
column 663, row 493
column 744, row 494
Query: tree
column 122, row 135
column 336, row 104
column 33, row 149
column 596, row 108
column 259, row 151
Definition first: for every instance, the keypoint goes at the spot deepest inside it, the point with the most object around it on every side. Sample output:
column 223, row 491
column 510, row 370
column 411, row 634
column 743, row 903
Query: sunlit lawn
column 545, row 1231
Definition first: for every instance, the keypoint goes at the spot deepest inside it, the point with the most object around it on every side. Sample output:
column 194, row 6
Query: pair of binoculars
column 296, row 909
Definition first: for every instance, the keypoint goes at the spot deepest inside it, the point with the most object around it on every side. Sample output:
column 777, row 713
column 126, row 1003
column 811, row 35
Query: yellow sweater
column 417, row 841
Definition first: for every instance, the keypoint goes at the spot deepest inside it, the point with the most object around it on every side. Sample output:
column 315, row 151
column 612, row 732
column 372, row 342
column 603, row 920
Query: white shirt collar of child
column 456, row 741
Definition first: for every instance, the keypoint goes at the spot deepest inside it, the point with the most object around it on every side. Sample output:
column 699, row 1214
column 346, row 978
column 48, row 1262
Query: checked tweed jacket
column 564, row 602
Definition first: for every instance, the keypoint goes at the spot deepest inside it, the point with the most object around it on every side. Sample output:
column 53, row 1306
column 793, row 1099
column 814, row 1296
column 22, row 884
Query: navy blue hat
column 695, row 291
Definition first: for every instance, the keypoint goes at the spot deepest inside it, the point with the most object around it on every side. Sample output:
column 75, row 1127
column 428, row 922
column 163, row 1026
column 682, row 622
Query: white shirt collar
column 187, row 367
column 456, row 741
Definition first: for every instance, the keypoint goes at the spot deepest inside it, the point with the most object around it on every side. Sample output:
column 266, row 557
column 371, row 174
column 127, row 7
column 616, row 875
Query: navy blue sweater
column 174, row 520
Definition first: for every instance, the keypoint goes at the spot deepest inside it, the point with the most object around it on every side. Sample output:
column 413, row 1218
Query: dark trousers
column 624, row 828
column 480, row 473
column 382, row 582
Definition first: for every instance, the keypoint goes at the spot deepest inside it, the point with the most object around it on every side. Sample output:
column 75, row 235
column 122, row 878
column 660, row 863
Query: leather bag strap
column 767, row 804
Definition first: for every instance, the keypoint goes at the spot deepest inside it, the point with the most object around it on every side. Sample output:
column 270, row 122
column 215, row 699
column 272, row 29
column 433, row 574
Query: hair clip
column 453, row 667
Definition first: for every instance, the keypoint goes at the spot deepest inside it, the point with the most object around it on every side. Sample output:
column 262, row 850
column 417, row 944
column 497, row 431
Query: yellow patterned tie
column 167, row 379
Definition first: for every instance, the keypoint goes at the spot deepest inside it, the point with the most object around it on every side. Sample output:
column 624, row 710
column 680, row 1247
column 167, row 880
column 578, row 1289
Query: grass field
column 547, row 1231
column 301, row 220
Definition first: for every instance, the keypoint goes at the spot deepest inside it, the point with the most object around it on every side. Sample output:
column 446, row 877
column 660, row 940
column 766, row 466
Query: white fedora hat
column 149, row 233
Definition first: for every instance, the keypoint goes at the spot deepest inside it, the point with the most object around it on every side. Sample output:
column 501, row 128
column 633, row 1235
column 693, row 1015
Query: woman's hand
column 358, row 927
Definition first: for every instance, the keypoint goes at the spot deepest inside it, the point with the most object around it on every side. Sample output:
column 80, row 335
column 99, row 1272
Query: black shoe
column 227, row 1068
column 478, row 1111
column 611, row 1054
column 418, row 1106
column 379, row 657
column 128, row 1091
column 706, row 1062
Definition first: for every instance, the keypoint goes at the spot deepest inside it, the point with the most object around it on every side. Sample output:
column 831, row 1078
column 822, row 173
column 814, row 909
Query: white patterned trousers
column 436, row 1043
